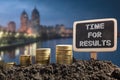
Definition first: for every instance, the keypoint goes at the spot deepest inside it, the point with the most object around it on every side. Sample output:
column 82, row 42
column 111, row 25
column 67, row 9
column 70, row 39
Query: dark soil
column 79, row 70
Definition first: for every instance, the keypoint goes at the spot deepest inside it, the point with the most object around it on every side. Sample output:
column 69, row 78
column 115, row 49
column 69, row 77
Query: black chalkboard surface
column 95, row 35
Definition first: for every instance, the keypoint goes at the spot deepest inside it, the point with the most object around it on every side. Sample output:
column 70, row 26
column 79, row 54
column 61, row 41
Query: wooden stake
column 93, row 55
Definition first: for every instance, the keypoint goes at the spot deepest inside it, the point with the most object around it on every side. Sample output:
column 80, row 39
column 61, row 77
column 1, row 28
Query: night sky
column 54, row 12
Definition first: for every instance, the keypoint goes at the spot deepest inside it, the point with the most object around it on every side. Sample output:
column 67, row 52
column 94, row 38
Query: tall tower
column 24, row 21
column 35, row 17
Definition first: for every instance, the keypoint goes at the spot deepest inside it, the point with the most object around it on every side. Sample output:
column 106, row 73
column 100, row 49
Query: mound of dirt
column 78, row 70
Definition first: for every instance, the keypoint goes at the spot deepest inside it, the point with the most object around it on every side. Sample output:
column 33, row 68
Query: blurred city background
column 26, row 25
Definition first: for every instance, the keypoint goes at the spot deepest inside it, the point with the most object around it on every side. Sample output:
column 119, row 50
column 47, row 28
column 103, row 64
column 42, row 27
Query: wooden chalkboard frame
column 95, row 49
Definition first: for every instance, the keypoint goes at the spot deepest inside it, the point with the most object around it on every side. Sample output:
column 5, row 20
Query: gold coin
column 25, row 60
column 43, row 62
column 24, row 64
column 64, row 62
column 11, row 64
column 43, row 50
column 63, row 59
column 65, row 52
column 63, row 47
column 22, row 57
column 68, row 63
column 46, row 57
column 64, row 56
column 59, row 62
column 42, row 58
column 57, row 58
column 42, row 54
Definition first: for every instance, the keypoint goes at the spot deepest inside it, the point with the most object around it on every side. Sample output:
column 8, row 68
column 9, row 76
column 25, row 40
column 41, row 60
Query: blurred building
column 24, row 22
column 35, row 17
column 11, row 26
column 62, row 31
column 31, row 25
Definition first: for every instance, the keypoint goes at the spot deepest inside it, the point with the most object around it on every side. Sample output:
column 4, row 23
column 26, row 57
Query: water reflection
column 1, row 54
column 17, row 52
column 13, row 54
column 21, row 50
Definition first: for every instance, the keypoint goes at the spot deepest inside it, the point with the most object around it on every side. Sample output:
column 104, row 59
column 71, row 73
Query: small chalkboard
column 99, row 35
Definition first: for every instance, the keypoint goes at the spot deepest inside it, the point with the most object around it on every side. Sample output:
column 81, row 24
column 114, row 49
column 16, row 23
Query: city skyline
column 58, row 12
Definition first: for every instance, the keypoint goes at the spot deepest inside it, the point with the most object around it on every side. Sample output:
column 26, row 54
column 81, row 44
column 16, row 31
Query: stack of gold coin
column 64, row 54
column 43, row 56
column 25, row 60
column 10, row 64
